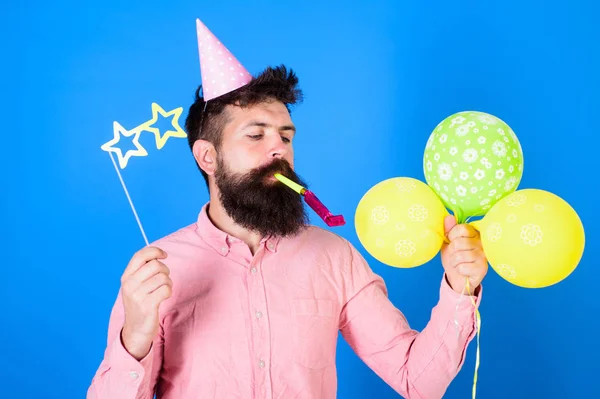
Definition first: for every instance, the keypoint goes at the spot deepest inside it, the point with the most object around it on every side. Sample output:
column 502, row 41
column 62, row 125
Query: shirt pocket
column 314, row 332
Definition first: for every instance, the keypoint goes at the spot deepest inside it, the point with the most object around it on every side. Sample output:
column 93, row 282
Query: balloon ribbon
column 478, row 320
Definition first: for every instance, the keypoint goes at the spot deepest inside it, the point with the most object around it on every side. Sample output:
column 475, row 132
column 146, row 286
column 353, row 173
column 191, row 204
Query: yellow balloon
column 400, row 222
column 532, row 238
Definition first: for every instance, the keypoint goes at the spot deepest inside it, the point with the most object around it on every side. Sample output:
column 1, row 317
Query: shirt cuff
column 126, row 366
column 457, row 306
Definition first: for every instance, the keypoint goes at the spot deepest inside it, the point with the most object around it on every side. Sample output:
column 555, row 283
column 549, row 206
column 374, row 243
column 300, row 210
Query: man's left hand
column 463, row 257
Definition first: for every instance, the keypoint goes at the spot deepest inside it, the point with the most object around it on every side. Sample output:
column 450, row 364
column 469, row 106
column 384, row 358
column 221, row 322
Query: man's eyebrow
column 266, row 125
column 288, row 127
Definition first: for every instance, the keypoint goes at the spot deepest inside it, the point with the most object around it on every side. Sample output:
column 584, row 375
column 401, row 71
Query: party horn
column 312, row 201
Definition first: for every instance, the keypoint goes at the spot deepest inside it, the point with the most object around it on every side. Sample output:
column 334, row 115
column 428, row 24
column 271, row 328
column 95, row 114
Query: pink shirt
column 266, row 326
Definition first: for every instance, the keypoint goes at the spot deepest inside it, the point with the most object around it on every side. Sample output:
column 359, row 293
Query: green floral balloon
column 472, row 160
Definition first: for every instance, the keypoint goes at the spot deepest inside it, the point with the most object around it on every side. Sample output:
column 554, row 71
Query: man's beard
column 266, row 207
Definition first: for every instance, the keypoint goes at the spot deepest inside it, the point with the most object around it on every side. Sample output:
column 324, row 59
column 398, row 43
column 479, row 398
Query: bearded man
column 247, row 301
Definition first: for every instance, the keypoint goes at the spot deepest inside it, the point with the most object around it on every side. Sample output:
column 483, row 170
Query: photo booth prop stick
column 160, row 139
column 312, row 201
column 221, row 73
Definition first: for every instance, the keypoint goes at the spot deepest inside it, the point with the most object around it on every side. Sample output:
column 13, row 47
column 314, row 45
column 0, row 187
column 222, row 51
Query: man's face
column 256, row 143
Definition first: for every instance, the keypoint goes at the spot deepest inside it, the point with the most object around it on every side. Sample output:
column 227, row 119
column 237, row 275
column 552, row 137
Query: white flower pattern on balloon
column 499, row 148
column 459, row 120
column 461, row 190
column 532, row 234
column 443, row 138
column 481, row 139
column 453, row 151
column 464, row 175
column 488, row 119
column 405, row 248
column 510, row 183
column 517, row 199
column 417, row 213
column 406, row 186
column 462, row 130
column 479, row 174
column 499, row 173
column 444, row 171
column 494, row 232
column 506, row 271
column 380, row 215
column 470, row 155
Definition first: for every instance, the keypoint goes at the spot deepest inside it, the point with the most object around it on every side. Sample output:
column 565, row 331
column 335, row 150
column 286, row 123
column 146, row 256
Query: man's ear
column 206, row 156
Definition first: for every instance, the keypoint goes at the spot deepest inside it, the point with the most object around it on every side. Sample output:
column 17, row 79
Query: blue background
column 377, row 76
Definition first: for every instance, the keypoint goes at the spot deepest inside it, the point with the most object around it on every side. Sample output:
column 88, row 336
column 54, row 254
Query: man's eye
column 255, row 136
column 286, row 140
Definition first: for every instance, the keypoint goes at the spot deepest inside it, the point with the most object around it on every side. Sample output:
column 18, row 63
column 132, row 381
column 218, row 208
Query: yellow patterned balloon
column 532, row 238
column 400, row 222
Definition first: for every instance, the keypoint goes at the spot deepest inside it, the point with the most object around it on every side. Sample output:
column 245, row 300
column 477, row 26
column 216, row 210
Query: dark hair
column 277, row 84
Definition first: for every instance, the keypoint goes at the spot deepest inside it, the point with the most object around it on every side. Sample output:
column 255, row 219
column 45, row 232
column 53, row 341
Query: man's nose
column 278, row 149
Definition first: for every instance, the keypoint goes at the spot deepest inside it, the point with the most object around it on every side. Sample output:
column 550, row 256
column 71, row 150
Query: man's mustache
column 277, row 166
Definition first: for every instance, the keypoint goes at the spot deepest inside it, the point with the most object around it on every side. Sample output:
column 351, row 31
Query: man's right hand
column 145, row 284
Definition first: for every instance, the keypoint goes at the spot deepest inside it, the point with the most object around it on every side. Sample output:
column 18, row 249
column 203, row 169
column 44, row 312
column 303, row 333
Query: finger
column 160, row 294
column 464, row 244
column 141, row 258
column 147, row 271
column 468, row 256
column 449, row 223
column 155, row 282
column 468, row 269
column 462, row 230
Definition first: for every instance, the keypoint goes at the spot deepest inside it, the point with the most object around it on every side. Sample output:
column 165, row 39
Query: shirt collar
column 221, row 241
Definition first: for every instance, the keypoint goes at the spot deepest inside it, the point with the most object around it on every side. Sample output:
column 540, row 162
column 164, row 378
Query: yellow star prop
column 119, row 131
column 177, row 132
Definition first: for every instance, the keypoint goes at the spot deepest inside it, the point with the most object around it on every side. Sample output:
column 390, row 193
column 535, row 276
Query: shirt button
column 261, row 364
column 253, row 270
column 134, row 375
column 258, row 314
column 271, row 246
column 224, row 250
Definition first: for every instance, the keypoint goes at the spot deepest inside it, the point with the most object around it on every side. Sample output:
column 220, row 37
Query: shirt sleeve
column 415, row 364
column 120, row 375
